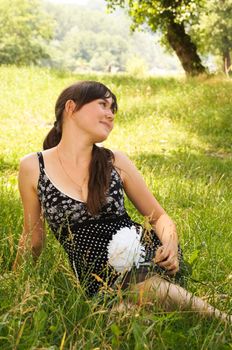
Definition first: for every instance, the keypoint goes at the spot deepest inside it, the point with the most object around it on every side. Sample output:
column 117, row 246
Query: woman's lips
column 109, row 126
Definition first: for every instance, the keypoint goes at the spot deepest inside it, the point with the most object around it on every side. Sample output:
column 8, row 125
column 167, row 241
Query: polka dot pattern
column 85, row 237
column 60, row 209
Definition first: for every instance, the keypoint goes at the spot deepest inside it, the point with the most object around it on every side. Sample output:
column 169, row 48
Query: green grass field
column 178, row 133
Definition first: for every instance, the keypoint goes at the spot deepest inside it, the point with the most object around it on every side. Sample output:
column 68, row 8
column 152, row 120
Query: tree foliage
column 213, row 32
column 87, row 39
column 80, row 38
column 25, row 28
column 171, row 18
column 104, row 42
column 157, row 14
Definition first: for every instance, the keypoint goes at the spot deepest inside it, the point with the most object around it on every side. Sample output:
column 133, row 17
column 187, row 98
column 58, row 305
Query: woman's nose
column 109, row 114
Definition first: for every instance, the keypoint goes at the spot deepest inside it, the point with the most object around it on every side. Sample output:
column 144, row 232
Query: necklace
column 78, row 187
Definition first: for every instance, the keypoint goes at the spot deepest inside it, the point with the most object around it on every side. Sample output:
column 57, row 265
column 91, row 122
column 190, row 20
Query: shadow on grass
column 202, row 108
column 186, row 164
column 212, row 125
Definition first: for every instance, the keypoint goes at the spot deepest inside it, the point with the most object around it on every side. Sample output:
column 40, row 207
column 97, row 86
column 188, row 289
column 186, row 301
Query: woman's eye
column 103, row 104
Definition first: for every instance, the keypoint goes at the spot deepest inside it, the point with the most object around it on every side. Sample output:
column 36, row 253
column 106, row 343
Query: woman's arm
column 144, row 201
column 33, row 235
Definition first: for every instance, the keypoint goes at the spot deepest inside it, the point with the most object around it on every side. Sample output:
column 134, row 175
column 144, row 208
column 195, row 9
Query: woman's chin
column 101, row 138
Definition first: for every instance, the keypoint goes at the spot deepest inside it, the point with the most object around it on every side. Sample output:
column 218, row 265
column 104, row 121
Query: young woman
column 78, row 188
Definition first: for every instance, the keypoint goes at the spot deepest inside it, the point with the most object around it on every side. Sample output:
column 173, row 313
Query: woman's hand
column 167, row 257
column 144, row 201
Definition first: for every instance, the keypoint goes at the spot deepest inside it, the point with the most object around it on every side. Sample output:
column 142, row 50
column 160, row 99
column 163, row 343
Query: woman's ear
column 70, row 107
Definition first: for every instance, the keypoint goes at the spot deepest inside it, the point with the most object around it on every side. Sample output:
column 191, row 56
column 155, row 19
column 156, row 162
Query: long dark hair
column 101, row 162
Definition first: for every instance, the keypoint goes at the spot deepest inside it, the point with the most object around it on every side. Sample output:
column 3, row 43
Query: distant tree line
column 25, row 30
column 33, row 32
column 86, row 38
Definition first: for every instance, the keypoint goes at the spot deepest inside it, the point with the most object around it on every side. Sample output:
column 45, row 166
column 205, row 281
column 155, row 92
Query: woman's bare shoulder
column 28, row 177
column 29, row 169
column 29, row 162
column 120, row 158
column 122, row 163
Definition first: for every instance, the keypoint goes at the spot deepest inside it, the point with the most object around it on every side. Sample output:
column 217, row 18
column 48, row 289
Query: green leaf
column 193, row 257
column 40, row 318
column 115, row 329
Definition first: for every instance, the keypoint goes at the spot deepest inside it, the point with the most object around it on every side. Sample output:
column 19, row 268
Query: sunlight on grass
column 178, row 133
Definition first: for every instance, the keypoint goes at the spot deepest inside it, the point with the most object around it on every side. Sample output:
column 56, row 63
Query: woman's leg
column 171, row 296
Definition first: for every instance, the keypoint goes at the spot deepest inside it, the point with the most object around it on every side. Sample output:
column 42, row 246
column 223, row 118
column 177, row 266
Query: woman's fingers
column 167, row 259
column 173, row 272
column 169, row 264
column 174, row 267
column 161, row 254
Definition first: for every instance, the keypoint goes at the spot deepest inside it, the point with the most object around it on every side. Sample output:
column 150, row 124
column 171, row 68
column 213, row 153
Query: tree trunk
column 186, row 51
column 227, row 67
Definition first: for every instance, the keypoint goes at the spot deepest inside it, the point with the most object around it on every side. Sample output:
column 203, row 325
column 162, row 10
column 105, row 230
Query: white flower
column 125, row 249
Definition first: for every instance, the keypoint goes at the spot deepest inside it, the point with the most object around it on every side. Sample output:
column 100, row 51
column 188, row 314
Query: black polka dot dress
column 90, row 240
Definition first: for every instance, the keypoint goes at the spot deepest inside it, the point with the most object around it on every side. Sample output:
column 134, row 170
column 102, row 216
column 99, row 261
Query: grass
column 178, row 133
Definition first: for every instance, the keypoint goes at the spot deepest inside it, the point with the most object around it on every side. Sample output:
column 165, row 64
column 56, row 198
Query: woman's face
column 96, row 119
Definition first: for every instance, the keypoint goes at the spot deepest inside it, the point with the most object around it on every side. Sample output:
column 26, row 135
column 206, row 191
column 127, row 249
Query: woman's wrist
column 165, row 229
column 170, row 239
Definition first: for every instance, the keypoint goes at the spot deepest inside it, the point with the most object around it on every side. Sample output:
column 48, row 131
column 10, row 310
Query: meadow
column 178, row 133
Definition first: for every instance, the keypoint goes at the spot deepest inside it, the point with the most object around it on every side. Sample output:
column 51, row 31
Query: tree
column 24, row 31
column 172, row 19
column 100, row 43
column 213, row 32
column 87, row 49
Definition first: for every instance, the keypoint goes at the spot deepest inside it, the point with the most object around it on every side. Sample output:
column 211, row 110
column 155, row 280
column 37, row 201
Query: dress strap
column 41, row 161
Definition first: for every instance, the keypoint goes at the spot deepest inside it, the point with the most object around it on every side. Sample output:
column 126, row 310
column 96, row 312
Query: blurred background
column 137, row 37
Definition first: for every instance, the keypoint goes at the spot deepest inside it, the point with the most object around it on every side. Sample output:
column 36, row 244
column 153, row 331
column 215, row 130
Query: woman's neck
column 76, row 150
